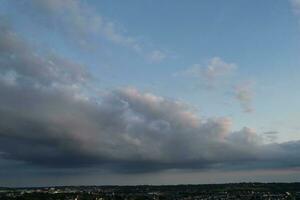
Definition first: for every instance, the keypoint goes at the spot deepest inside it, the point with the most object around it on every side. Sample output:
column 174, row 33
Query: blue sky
column 236, row 61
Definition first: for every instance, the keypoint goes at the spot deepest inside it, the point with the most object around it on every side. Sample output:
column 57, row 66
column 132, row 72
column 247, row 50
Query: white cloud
column 157, row 56
column 218, row 73
column 211, row 73
column 80, row 22
column 218, row 68
column 244, row 94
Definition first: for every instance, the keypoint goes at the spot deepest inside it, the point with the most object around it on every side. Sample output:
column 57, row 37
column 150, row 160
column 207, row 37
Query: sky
column 149, row 92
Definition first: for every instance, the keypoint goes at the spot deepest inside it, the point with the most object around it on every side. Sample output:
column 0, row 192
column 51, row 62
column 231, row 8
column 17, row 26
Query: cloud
column 210, row 75
column 157, row 56
column 81, row 24
column 295, row 6
column 48, row 119
column 18, row 61
column 80, row 19
column 270, row 136
column 244, row 94
column 217, row 73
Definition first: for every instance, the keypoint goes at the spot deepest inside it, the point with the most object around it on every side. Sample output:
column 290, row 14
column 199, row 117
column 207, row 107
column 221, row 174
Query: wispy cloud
column 157, row 56
column 244, row 94
column 295, row 6
column 81, row 19
column 210, row 74
column 81, row 24
column 218, row 73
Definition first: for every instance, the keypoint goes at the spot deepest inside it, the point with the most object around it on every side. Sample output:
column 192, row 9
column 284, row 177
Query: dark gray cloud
column 18, row 59
column 47, row 118
column 271, row 135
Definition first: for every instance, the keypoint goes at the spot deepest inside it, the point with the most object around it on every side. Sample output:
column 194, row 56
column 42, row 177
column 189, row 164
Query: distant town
column 242, row 191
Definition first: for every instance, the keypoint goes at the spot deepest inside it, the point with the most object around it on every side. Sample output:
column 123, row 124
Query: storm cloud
column 48, row 117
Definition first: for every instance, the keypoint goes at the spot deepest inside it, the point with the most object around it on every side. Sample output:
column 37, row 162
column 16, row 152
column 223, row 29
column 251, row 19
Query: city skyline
column 149, row 92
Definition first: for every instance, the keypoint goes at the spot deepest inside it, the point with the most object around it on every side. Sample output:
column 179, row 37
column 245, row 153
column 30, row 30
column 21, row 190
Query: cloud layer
column 48, row 118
